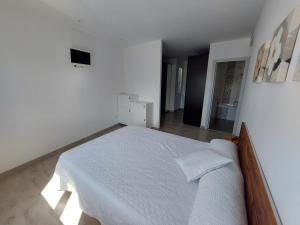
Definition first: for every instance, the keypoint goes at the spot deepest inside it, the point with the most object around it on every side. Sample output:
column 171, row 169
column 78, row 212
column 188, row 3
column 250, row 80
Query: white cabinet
column 141, row 113
column 134, row 112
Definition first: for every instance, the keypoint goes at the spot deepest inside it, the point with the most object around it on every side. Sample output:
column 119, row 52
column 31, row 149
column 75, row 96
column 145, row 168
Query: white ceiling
column 185, row 26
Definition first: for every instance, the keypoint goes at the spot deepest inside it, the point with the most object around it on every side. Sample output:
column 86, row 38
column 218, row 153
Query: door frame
column 241, row 95
column 163, row 92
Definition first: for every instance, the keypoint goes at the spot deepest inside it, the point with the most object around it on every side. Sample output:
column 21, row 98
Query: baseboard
column 60, row 150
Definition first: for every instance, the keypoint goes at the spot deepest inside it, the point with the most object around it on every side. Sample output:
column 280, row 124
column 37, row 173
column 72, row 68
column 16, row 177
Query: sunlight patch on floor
column 72, row 212
column 50, row 192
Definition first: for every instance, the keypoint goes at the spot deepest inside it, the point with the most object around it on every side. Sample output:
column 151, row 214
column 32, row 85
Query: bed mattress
column 130, row 177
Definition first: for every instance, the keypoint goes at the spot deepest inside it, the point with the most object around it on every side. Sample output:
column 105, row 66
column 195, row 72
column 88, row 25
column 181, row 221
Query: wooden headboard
column 259, row 208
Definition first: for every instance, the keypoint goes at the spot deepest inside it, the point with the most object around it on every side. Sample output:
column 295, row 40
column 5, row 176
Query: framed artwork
column 261, row 61
column 281, row 48
column 297, row 71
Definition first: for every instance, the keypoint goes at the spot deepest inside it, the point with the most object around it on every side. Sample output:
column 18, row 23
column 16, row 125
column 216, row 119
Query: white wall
column 45, row 103
column 271, row 112
column 221, row 51
column 142, row 74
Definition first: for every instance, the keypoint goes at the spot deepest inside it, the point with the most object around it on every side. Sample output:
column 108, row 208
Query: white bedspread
column 220, row 198
column 130, row 177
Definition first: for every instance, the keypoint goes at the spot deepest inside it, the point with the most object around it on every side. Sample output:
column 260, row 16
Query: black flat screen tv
column 80, row 57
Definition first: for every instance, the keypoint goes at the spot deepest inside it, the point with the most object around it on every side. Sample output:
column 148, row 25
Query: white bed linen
column 225, row 148
column 130, row 177
column 200, row 163
column 221, row 192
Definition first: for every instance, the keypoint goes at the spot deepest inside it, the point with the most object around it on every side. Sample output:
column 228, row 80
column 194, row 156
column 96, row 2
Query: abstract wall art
column 261, row 61
column 281, row 48
column 297, row 71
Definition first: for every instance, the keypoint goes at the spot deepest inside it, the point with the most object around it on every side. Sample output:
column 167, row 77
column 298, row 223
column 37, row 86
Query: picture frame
column 261, row 61
column 282, row 47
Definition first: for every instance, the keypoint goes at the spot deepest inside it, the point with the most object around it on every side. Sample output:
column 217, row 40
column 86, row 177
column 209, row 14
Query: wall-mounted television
column 80, row 57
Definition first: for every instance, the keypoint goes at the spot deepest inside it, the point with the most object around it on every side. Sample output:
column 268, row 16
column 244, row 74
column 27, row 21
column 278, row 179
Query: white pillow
column 197, row 164
column 225, row 148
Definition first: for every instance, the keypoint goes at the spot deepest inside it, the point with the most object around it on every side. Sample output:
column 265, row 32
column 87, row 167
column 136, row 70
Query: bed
column 130, row 177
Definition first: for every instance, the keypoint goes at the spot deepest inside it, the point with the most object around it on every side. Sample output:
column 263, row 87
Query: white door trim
column 214, row 69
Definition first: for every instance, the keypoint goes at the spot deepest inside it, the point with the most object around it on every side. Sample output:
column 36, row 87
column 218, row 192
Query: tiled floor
column 21, row 202
column 172, row 122
column 222, row 125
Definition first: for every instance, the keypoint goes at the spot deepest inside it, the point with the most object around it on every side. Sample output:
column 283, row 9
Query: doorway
column 182, row 90
column 173, row 86
column 195, row 87
column 164, row 80
column 226, row 98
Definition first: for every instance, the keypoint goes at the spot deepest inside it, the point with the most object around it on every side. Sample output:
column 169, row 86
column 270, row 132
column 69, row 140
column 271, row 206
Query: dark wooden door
column 164, row 74
column 195, row 85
